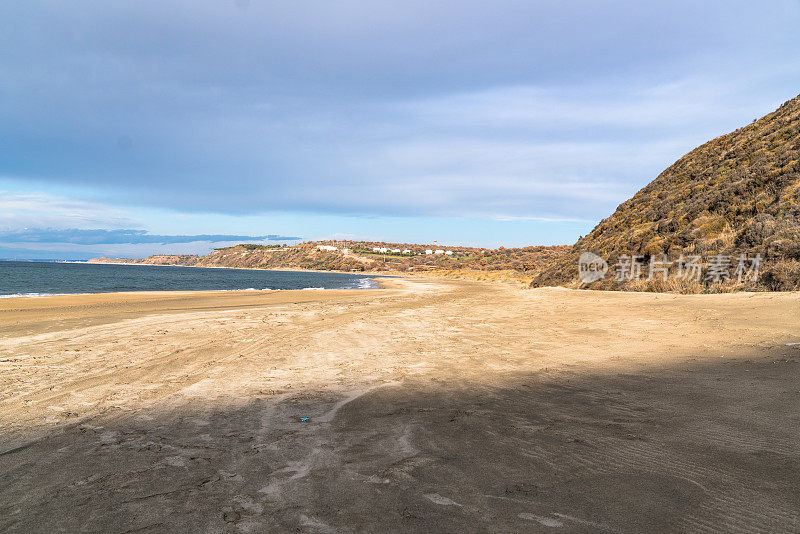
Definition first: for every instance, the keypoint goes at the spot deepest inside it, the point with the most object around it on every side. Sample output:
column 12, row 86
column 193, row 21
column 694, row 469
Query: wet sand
column 432, row 406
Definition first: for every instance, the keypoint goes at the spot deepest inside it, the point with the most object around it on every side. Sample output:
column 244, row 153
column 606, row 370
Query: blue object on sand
column 304, row 419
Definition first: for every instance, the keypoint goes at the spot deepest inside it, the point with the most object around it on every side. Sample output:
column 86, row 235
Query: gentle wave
column 362, row 284
column 17, row 295
column 366, row 283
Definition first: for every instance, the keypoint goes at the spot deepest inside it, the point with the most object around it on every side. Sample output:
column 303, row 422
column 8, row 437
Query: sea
column 40, row 278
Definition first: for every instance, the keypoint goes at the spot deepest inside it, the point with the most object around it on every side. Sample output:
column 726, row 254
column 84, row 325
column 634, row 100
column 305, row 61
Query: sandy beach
column 425, row 406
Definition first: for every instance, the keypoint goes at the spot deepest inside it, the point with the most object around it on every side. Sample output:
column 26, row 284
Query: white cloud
column 680, row 104
column 123, row 250
column 43, row 210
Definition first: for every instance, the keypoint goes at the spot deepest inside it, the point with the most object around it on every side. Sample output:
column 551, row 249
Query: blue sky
column 484, row 123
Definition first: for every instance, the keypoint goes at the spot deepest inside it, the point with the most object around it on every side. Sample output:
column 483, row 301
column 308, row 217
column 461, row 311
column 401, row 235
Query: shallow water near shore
column 21, row 278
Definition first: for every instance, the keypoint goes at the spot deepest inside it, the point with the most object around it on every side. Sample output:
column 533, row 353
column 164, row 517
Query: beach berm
column 428, row 405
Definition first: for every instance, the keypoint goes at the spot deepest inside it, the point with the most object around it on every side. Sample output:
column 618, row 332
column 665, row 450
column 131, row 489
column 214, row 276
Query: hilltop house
column 327, row 247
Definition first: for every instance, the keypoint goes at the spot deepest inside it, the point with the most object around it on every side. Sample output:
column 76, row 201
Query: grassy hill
column 738, row 194
column 361, row 258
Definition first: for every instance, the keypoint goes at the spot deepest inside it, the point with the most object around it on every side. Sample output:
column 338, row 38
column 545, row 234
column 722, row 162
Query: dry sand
column 433, row 406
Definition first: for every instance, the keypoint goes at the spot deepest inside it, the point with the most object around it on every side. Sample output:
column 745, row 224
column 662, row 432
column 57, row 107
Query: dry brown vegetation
column 737, row 194
column 526, row 261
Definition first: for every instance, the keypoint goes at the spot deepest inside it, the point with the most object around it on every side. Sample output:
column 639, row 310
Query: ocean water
column 23, row 278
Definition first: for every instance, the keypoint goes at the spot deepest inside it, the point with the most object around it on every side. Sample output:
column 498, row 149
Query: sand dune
column 431, row 406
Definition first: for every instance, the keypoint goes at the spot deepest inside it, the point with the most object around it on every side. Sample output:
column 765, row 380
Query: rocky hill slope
column 360, row 256
column 734, row 202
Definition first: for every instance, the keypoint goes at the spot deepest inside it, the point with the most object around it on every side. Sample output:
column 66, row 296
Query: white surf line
column 330, row 414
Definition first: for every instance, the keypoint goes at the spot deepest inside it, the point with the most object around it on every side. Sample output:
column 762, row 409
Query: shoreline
column 282, row 269
column 67, row 311
column 378, row 285
column 373, row 278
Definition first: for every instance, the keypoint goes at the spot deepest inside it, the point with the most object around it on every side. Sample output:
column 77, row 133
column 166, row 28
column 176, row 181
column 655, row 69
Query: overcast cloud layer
column 506, row 110
column 109, row 237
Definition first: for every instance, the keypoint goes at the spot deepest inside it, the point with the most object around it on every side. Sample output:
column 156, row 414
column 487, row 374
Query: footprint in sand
column 175, row 461
column 545, row 521
column 443, row 501
column 108, row 437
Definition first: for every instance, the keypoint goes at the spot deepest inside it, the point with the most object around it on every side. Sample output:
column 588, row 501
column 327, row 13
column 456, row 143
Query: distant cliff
column 359, row 256
column 246, row 256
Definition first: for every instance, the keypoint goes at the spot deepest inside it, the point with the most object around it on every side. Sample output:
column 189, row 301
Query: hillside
column 738, row 194
column 359, row 256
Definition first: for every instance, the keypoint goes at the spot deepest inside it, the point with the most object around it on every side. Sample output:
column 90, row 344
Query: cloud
column 550, row 110
column 20, row 210
column 82, row 244
column 106, row 237
column 70, row 251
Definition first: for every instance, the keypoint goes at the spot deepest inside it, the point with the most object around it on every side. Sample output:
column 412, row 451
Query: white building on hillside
column 327, row 247
column 429, row 251
column 448, row 252
column 439, row 251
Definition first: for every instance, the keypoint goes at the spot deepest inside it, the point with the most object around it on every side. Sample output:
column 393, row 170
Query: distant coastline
column 377, row 274
column 360, row 257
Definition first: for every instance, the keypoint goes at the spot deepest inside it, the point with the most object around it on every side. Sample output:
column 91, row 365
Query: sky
column 184, row 125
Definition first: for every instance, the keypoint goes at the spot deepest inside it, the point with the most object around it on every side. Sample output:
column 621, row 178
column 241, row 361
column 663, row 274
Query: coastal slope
column 361, row 256
column 738, row 194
